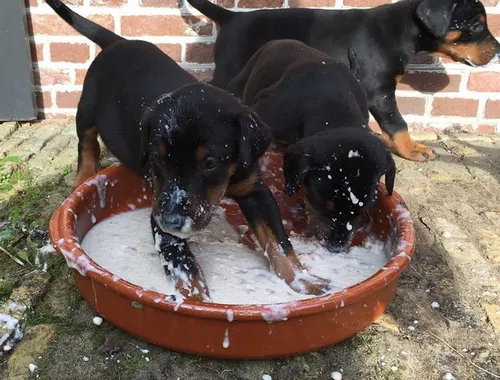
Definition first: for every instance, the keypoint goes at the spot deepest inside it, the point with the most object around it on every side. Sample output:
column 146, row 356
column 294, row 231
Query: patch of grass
column 9, row 173
column 25, row 209
column 24, row 217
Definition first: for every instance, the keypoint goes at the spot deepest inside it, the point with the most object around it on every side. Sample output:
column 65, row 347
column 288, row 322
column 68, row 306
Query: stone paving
column 454, row 202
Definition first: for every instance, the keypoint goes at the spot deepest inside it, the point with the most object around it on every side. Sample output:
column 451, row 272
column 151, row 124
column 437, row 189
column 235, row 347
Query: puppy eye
column 210, row 163
column 477, row 27
column 156, row 157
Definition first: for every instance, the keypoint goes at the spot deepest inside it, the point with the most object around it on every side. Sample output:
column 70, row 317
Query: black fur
column 316, row 107
column 384, row 39
column 192, row 139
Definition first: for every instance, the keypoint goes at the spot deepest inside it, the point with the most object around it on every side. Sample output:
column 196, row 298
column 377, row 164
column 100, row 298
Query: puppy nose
column 335, row 246
column 173, row 222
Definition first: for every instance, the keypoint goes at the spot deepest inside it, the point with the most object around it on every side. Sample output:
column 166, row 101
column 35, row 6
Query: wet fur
column 318, row 112
column 196, row 142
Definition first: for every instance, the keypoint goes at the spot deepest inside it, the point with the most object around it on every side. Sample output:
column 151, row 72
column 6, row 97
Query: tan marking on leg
column 201, row 153
column 88, row 156
column 404, row 146
column 287, row 266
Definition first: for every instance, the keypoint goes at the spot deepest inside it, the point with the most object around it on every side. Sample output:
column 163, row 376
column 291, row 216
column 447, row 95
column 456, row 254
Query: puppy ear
column 296, row 165
column 144, row 130
column 254, row 139
column 436, row 15
column 390, row 173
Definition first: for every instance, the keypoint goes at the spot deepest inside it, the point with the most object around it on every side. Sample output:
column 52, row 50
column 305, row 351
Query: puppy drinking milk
column 196, row 142
column 384, row 38
column 316, row 107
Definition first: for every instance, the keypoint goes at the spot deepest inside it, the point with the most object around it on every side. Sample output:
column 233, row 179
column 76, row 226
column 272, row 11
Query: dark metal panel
column 17, row 92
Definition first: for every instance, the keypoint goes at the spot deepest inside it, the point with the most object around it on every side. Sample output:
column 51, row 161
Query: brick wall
column 437, row 94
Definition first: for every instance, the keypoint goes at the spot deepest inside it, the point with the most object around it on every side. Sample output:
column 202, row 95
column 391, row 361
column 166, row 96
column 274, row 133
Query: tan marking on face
column 398, row 78
column 244, row 187
column 201, row 153
column 453, row 35
column 162, row 149
column 479, row 53
column 88, row 156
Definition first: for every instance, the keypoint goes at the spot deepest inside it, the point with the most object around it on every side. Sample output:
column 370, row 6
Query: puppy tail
column 218, row 14
column 94, row 32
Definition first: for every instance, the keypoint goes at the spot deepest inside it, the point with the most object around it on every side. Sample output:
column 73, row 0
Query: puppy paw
column 418, row 152
column 289, row 268
column 306, row 283
column 405, row 147
column 193, row 289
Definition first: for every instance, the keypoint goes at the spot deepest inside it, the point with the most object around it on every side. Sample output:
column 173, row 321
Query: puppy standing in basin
column 316, row 107
column 384, row 39
column 195, row 141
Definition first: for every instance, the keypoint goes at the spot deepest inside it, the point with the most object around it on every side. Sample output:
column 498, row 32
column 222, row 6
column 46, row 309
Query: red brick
column 36, row 52
column 430, row 82
column 485, row 128
column 80, row 76
column 68, row 99
column 48, row 77
column 108, row 3
column 492, row 110
column 310, row 3
column 454, row 107
column 365, row 3
column 260, row 3
column 67, row 52
column 172, row 50
column 164, row 25
column 489, row 3
column 484, row 81
column 161, row 3
column 55, row 26
column 494, row 24
column 411, row 106
column 202, row 75
column 43, row 99
column 199, row 53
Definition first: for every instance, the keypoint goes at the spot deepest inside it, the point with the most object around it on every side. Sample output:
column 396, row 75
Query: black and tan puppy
column 195, row 141
column 384, row 39
column 316, row 107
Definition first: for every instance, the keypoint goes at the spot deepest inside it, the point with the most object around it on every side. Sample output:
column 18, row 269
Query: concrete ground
column 455, row 205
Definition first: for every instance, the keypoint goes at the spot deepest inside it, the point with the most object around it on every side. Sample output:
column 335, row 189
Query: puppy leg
column 263, row 215
column 384, row 108
column 179, row 262
column 88, row 153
